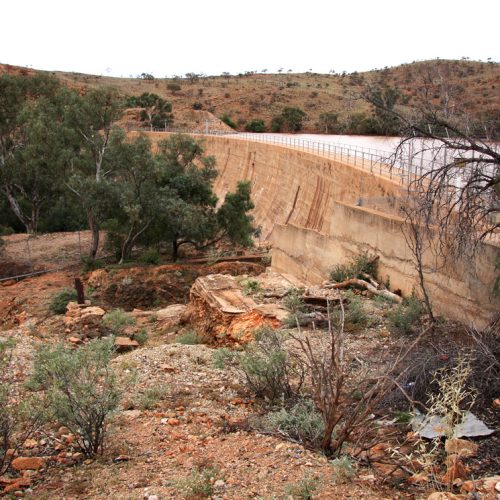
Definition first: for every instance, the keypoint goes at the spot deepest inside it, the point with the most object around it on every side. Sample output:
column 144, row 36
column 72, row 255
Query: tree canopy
column 61, row 153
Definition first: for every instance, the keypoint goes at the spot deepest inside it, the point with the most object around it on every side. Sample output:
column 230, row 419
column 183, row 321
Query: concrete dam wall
column 318, row 212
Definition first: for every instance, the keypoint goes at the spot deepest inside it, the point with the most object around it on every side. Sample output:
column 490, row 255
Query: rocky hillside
column 199, row 347
column 474, row 86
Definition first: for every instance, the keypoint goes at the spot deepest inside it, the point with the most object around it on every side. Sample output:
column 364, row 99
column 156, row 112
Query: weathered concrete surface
column 459, row 291
column 318, row 212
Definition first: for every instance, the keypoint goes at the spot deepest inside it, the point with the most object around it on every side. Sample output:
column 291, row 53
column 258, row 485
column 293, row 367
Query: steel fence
column 387, row 164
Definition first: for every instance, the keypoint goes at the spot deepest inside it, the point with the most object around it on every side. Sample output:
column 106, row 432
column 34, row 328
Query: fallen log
column 371, row 280
column 367, row 286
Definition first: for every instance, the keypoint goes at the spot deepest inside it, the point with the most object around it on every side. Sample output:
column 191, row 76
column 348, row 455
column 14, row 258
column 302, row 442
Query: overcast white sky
column 124, row 37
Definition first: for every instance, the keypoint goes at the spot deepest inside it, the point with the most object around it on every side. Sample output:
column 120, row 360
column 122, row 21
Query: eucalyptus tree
column 34, row 144
column 184, row 210
column 139, row 197
column 93, row 117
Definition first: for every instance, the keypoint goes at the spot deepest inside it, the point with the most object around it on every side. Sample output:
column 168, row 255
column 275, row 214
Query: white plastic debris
column 433, row 426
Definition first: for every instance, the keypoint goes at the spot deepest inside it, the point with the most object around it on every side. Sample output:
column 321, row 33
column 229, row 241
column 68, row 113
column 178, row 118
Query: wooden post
column 79, row 291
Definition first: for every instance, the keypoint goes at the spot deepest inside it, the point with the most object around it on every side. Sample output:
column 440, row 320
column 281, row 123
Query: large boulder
column 222, row 313
column 82, row 315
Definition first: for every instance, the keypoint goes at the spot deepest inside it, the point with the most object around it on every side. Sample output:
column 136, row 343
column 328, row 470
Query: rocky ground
column 185, row 422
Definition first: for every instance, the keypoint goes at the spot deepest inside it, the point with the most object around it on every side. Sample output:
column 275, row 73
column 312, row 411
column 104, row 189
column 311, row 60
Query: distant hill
column 474, row 86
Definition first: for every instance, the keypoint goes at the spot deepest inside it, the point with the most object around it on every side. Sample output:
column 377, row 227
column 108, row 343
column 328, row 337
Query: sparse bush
column 6, row 230
column 403, row 417
column 222, row 357
column 173, row 87
column 141, row 336
column 355, row 315
column 91, row 264
column 454, row 395
column 293, row 118
column 191, row 337
column 150, row 256
column 406, row 316
column 150, row 398
column 301, row 422
column 277, row 124
column 117, row 320
column 228, row 121
column 200, row 483
column 356, row 267
column 251, row 287
column 81, row 389
column 61, row 299
column 343, row 469
column 303, row 490
column 257, row 126
column 197, row 106
column 270, row 372
column 293, row 302
column 266, row 260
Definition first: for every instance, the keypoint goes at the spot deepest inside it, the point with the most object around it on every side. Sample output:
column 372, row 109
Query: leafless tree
column 346, row 398
column 453, row 171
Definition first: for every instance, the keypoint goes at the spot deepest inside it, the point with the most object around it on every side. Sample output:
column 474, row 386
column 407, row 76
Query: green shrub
column 228, row 121
column 354, row 312
column 222, row 357
column 191, row 337
column 343, row 470
column 117, row 320
column 90, row 264
column 150, row 256
column 61, row 299
column 255, row 126
column 6, row 230
column 403, row 417
column 268, row 369
column 340, row 272
column 277, row 124
column 251, row 287
column 173, row 87
column 150, row 398
column 81, row 389
column 496, row 284
column 200, row 483
column 358, row 265
column 303, row 490
column 301, row 422
column 141, row 336
column 293, row 302
column 406, row 316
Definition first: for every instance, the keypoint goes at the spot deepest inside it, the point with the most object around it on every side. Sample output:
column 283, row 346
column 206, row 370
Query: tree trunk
column 175, row 250
column 35, row 216
column 94, row 228
column 14, row 205
column 326, row 442
column 126, row 249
